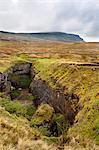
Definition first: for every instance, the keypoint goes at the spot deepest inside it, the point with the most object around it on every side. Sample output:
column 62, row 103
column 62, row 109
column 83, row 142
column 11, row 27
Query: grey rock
column 22, row 68
column 57, row 99
column 5, row 86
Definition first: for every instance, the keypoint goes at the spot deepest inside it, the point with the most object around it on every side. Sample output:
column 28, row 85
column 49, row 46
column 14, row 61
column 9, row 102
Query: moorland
column 49, row 94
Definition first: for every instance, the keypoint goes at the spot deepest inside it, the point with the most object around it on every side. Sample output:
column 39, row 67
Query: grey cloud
column 73, row 16
column 80, row 17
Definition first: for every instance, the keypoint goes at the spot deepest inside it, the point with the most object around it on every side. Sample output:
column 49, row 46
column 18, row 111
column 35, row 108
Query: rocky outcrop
column 5, row 85
column 22, row 68
column 20, row 75
column 3, row 82
column 57, row 99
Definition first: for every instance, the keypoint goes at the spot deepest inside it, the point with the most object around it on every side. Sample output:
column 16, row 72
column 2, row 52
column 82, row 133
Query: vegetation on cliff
column 82, row 81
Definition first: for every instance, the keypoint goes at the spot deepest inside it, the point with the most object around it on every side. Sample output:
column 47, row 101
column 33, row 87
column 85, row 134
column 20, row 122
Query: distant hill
column 52, row 36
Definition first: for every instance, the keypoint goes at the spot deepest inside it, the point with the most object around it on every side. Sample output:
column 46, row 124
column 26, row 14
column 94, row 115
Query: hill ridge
column 53, row 36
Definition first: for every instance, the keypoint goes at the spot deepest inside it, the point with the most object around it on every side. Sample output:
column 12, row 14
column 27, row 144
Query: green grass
column 87, row 126
column 62, row 124
column 42, row 115
column 82, row 81
column 22, row 81
column 15, row 133
column 17, row 108
column 14, row 94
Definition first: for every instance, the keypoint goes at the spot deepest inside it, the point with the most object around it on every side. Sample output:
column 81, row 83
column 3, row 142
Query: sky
column 70, row 16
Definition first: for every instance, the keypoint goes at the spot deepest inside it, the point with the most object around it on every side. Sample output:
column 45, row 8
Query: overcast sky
column 70, row 16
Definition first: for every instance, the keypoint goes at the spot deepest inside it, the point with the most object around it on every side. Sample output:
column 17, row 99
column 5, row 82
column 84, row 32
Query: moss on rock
column 22, row 81
column 43, row 115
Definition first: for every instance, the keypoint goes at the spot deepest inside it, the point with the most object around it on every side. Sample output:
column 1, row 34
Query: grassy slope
column 16, row 134
column 82, row 81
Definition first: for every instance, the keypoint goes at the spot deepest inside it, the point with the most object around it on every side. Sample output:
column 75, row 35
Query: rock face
column 5, row 85
column 20, row 75
column 60, row 102
column 23, row 68
column 3, row 82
